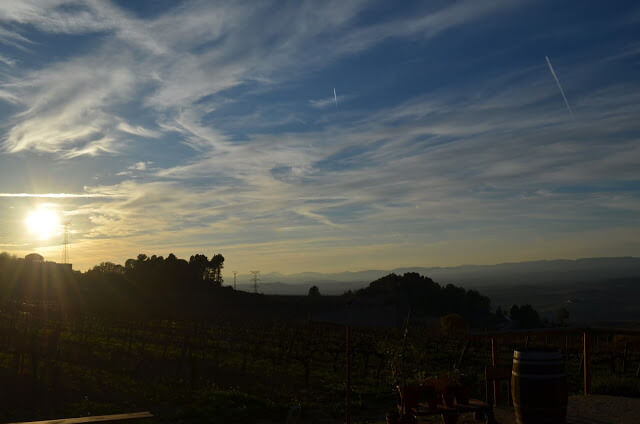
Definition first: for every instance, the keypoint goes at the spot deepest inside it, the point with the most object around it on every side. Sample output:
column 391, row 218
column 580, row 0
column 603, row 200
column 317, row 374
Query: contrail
column 566, row 102
column 335, row 98
column 56, row 195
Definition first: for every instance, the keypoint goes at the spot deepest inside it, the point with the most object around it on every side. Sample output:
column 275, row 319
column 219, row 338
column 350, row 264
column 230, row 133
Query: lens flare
column 43, row 222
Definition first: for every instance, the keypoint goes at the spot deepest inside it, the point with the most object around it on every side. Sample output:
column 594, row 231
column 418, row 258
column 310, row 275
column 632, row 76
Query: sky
column 321, row 136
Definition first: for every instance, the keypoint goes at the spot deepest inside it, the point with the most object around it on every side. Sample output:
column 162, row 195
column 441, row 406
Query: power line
column 255, row 280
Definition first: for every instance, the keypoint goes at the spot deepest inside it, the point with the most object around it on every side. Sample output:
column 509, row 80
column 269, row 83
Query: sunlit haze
column 320, row 136
column 43, row 222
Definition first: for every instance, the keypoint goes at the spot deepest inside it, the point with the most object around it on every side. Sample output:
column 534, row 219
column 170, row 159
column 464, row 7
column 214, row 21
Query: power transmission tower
column 65, row 247
column 255, row 280
column 234, row 279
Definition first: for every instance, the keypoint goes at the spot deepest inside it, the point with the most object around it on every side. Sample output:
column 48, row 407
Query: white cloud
column 55, row 195
column 66, row 108
column 138, row 130
column 327, row 101
column 181, row 57
column 13, row 39
column 140, row 166
column 7, row 61
column 476, row 159
column 9, row 97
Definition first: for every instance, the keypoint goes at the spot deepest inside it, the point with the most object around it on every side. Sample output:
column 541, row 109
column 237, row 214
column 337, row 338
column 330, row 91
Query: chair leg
column 491, row 419
column 486, row 390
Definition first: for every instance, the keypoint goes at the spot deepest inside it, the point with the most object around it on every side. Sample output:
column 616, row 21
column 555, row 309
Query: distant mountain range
column 469, row 276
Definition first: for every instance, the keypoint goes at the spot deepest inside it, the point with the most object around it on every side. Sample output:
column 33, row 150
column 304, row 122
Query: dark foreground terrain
column 166, row 335
column 197, row 371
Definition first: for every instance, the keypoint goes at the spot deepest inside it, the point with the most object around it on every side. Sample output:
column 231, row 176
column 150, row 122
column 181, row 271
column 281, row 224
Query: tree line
column 145, row 284
column 425, row 298
column 174, row 287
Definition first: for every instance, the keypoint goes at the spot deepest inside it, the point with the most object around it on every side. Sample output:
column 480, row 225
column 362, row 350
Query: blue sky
column 187, row 127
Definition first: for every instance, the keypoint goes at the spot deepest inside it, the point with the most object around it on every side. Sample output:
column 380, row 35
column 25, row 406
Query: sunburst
column 44, row 222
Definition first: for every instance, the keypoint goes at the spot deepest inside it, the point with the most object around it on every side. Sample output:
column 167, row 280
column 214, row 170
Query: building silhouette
column 37, row 261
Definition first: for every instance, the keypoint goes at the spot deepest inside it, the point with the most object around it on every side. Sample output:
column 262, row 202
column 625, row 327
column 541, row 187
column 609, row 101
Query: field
column 196, row 371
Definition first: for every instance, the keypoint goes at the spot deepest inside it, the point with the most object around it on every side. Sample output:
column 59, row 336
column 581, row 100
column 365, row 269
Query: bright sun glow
column 43, row 222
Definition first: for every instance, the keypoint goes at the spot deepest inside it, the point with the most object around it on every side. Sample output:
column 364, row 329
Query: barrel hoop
column 538, row 364
column 537, row 354
column 533, row 366
column 539, row 371
column 538, row 377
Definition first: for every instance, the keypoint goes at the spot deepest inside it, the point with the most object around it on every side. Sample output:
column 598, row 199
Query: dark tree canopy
column 142, row 284
column 428, row 298
column 314, row 291
column 525, row 316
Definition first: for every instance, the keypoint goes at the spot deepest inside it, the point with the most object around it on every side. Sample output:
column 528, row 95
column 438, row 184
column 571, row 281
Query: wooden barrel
column 539, row 387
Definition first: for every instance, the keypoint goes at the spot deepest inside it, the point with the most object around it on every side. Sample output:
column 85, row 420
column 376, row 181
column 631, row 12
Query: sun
column 43, row 222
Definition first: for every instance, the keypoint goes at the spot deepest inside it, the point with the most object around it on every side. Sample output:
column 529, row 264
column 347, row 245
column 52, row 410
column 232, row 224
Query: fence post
column 587, row 361
column 494, row 363
column 348, row 394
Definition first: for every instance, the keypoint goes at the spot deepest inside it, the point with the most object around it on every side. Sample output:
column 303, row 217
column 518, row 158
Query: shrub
column 617, row 386
column 453, row 325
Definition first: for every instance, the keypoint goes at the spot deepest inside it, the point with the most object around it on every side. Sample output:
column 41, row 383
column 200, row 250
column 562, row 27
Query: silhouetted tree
column 216, row 264
column 562, row 316
column 109, row 267
column 428, row 298
column 314, row 291
column 144, row 285
column 200, row 264
column 525, row 316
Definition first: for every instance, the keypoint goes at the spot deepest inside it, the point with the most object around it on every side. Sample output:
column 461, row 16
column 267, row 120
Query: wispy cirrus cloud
column 138, row 130
column 66, row 108
column 404, row 174
column 55, row 195
column 241, row 157
column 7, row 61
column 170, row 60
column 328, row 101
column 13, row 39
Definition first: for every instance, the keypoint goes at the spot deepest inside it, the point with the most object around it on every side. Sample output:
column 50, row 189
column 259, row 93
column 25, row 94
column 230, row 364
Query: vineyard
column 229, row 372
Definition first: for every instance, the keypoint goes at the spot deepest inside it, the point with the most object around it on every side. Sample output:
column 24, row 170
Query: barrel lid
column 537, row 354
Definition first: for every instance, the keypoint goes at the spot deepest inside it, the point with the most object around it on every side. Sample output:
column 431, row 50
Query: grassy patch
column 617, row 386
column 229, row 406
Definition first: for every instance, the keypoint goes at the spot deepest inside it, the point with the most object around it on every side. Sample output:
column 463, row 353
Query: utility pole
column 255, row 280
column 234, row 279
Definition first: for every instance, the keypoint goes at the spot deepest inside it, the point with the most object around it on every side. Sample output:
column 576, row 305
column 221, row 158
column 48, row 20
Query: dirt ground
column 593, row 409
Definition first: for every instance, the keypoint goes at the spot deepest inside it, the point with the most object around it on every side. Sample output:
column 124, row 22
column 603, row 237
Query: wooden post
column 464, row 350
column 95, row 418
column 494, row 363
column 347, row 409
column 587, row 362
